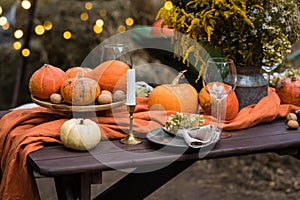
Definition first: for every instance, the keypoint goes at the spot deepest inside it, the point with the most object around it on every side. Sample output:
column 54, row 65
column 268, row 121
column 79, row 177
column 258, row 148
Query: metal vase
column 251, row 85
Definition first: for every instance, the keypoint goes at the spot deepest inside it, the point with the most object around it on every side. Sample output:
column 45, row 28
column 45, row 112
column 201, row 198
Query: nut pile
column 291, row 121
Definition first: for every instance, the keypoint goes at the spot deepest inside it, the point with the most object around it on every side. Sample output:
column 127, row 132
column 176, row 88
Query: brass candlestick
column 131, row 139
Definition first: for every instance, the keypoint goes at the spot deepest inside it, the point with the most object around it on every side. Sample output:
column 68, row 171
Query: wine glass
column 121, row 52
column 220, row 78
column 268, row 69
column 116, row 52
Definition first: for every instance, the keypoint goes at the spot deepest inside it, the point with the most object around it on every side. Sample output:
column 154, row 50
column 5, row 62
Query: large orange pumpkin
column 80, row 91
column 110, row 75
column 232, row 104
column 288, row 90
column 174, row 97
column 76, row 72
column 46, row 81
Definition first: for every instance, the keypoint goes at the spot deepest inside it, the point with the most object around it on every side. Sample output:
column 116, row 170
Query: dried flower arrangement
column 251, row 32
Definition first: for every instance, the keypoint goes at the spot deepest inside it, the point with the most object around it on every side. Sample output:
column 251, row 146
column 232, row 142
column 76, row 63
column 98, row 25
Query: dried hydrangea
column 181, row 120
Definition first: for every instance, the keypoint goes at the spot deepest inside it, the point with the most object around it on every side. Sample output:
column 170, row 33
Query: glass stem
column 219, row 113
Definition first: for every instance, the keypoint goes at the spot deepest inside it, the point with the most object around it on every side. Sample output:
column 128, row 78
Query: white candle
column 131, row 87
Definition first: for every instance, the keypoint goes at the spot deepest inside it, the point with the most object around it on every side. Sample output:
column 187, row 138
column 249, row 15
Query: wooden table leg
column 77, row 186
column 140, row 185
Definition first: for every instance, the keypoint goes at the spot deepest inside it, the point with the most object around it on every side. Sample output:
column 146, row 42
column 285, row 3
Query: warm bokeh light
column 18, row 34
column 88, row 5
column 99, row 22
column 67, row 35
column 168, row 5
column 39, row 30
column 26, row 52
column 47, row 25
column 3, row 21
column 103, row 12
column 1, row 10
column 129, row 21
column 26, row 4
column 6, row 26
column 98, row 29
column 17, row 45
column 84, row 16
column 121, row 28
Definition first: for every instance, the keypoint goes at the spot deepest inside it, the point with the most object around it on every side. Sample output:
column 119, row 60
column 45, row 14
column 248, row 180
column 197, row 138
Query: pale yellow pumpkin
column 80, row 134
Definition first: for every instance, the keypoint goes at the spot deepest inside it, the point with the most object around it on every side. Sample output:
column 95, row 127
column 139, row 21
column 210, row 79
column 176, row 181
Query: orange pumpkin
column 80, row 91
column 288, row 90
column 232, row 104
column 110, row 75
column 76, row 72
column 46, row 81
column 174, row 97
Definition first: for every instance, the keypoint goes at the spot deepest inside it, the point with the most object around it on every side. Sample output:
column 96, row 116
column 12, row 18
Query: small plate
column 172, row 133
column 71, row 108
column 161, row 137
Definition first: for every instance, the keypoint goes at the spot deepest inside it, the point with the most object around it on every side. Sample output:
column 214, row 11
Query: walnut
column 104, row 98
column 118, row 95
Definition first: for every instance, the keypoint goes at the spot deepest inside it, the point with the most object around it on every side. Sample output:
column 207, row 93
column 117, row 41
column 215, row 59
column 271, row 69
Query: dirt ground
column 260, row 177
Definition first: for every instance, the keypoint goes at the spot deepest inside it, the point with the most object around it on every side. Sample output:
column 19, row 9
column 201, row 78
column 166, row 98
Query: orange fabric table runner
column 266, row 110
column 27, row 130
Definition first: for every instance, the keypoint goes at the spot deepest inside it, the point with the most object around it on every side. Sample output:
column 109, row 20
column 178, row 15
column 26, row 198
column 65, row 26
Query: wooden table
column 74, row 172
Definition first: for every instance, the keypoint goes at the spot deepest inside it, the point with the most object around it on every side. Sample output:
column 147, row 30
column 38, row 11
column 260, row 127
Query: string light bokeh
column 42, row 27
column 63, row 33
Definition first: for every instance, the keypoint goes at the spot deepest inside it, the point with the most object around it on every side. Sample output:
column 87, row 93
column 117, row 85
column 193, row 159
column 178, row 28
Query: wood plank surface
column 57, row 160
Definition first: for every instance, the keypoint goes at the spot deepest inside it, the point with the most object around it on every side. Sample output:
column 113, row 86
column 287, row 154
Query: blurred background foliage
column 76, row 16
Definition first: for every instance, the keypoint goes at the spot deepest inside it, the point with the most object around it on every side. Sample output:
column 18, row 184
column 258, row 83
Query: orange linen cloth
column 266, row 110
column 27, row 130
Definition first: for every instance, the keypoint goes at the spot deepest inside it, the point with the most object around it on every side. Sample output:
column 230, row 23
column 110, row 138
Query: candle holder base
column 131, row 140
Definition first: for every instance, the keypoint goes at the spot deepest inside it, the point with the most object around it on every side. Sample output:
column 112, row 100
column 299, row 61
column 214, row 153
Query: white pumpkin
column 80, row 134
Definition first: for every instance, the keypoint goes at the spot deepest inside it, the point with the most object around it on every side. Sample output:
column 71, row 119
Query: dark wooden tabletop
column 57, row 160
column 75, row 171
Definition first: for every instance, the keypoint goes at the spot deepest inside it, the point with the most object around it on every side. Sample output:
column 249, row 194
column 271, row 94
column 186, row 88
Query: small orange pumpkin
column 110, row 75
column 46, row 81
column 232, row 104
column 80, row 91
column 288, row 90
column 174, row 97
column 76, row 72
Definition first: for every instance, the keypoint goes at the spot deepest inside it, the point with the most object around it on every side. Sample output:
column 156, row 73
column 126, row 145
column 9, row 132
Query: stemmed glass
column 121, row 52
column 220, row 78
column 269, row 69
column 116, row 52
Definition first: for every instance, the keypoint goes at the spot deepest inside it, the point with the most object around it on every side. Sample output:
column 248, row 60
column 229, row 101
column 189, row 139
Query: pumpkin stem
column 293, row 78
column 178, row 77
